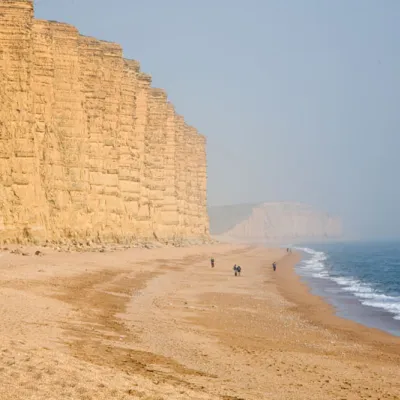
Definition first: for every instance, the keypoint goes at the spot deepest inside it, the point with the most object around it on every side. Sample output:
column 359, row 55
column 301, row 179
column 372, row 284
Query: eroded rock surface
column 88, row 149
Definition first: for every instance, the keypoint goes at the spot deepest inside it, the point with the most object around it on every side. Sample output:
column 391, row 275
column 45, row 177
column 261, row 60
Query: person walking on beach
column 212, row 262
column 235, row 269
column 239, row 269
column 274, row 266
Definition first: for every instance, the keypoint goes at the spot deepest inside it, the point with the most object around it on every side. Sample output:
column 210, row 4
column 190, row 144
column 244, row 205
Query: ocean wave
column 393, row 308
column 316, row 267
column 315, row 264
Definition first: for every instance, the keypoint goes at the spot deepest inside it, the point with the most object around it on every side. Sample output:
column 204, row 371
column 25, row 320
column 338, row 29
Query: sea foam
column 315, row 265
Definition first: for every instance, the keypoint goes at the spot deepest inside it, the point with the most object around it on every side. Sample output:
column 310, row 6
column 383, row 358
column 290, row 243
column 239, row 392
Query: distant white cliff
column 273, row 222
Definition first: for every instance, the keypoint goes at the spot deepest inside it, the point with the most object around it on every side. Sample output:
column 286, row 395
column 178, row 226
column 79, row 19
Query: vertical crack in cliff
column 88, row 149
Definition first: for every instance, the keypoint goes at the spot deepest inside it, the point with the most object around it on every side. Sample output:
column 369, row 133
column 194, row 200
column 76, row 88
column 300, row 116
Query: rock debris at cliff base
column 88, row 149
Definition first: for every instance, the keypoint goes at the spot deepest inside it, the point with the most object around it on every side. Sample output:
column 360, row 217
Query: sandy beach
column 162, row 324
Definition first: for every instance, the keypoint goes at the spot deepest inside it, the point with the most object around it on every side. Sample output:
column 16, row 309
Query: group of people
column 237, row 269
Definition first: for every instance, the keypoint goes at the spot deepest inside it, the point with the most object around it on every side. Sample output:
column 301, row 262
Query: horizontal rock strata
column 88, row 149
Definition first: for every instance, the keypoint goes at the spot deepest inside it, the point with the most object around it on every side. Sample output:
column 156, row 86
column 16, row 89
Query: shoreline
column 162, row 324
column 317, row 310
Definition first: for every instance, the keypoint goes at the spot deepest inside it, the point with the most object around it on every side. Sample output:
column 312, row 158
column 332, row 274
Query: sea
column 360, row 279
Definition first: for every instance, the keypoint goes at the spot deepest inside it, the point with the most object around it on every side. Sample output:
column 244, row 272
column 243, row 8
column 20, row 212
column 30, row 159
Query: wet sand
column 161, row 324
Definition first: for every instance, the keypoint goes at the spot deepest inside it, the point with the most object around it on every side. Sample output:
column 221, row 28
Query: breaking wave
column 316, row 266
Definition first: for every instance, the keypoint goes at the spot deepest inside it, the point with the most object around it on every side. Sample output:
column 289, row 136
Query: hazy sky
column 299, row 99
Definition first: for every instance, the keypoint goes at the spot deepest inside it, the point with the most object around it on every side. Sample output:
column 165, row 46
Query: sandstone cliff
column 88, row 149
column 274, row 222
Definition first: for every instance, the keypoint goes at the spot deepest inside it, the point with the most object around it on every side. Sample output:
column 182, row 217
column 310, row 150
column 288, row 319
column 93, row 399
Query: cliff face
column 274, row 222
column 88, row 149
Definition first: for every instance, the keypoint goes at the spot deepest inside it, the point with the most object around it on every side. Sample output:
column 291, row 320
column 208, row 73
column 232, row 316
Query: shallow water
column 362, row 280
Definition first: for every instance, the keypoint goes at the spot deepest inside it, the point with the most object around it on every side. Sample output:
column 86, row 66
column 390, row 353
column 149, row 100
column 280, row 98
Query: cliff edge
column 88, row 149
